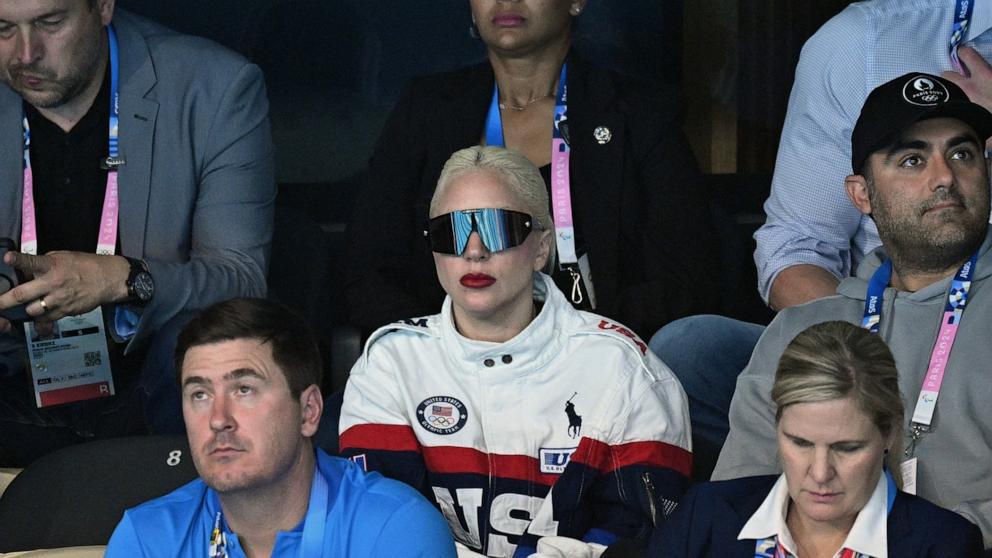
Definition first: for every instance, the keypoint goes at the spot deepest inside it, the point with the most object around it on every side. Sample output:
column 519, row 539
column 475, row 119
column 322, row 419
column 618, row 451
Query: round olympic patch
column 442, row 414
column 925, row 92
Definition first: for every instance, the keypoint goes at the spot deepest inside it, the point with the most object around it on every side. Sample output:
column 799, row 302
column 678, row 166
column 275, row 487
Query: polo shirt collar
column 868, row 535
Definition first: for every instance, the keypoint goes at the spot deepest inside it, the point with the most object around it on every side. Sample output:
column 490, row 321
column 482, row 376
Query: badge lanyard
column 72, row 362
column 107, row 240
column 561, row 191
column 957, row 298
column 314, row 523
column 962, row 18
column 772, row 548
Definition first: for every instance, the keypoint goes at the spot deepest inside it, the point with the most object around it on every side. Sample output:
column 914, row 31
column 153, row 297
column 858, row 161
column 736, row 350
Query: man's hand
column 66, row 283
column 976, row 82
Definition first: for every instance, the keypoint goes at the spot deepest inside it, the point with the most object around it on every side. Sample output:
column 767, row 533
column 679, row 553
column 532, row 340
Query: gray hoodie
column 955, row 459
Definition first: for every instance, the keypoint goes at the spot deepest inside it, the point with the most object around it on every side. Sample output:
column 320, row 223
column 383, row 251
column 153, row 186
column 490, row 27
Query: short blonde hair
column 515, row 171
column 834, row 360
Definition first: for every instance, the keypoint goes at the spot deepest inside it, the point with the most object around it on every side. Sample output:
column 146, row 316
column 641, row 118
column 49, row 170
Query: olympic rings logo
column 442, row 422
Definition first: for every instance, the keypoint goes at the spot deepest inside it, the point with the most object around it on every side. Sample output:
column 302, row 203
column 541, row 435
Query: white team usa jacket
column 571, row 428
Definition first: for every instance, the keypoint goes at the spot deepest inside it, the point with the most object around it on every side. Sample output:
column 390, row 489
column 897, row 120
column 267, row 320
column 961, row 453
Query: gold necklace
column 504, row 106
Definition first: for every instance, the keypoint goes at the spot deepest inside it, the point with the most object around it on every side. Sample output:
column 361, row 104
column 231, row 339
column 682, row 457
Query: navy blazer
column 710, row 516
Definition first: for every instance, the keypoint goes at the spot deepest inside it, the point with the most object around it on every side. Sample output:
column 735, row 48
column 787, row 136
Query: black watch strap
column 140, row 285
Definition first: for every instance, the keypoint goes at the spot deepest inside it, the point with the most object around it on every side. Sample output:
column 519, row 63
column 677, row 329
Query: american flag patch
column 439, row 410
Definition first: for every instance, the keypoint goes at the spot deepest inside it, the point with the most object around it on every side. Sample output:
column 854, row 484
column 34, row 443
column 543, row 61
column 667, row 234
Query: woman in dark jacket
column 623, row 173
column 839, row 420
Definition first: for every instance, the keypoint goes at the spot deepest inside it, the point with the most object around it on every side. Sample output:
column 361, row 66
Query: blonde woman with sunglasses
column 518, row 415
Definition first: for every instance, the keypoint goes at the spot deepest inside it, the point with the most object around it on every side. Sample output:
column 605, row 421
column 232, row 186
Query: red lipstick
column 477, row 280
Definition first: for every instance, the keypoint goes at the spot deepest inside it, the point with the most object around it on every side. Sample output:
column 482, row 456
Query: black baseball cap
column 894, row 106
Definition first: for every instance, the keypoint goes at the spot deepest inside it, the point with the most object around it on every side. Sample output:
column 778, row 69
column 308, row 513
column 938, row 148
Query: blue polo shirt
column 366, row 515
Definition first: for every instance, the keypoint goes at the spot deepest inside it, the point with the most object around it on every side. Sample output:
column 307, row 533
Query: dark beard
column 915, row 249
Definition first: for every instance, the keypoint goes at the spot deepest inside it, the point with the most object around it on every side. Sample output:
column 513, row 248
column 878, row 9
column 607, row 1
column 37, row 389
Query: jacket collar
column 867, row 536
column 138, row 115
column 530, row 350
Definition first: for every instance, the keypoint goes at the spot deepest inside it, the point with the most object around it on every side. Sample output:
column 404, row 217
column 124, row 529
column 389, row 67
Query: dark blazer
column 638, row 199
column 710, row 516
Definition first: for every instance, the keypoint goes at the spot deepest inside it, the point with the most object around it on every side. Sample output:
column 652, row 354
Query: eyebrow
column 917, row 144
column 236, row 374
column 832, row 444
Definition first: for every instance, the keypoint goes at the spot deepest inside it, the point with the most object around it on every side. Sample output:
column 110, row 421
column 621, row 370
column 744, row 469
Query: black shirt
column 69, row 185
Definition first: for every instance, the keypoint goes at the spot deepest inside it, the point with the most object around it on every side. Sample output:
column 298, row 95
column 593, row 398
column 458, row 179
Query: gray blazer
column 197, row 191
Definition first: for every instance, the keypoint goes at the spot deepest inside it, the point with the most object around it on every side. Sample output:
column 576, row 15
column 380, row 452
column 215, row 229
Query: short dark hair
column 294, row 346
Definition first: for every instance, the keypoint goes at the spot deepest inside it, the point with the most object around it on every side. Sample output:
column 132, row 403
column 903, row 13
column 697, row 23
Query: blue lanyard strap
column 957, row 295
column 873, row 300
column 315, row 521
column 962, row 19
column 112, row 152
column 494, row 121
column 113, row 126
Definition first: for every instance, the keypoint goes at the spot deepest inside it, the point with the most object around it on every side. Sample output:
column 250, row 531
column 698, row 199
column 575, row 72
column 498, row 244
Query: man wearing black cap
column 920, row 173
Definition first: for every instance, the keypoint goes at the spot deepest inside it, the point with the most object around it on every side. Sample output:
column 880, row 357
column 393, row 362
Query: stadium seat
column 75, row 496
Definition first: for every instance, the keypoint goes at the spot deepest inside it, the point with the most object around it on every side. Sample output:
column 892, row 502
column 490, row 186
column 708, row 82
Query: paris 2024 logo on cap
column 925, row 92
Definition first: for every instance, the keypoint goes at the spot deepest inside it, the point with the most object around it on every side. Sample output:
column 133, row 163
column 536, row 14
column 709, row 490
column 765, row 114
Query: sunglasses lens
column 499, row 229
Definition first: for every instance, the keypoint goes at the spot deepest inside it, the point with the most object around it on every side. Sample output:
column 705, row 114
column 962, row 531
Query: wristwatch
column 140, row 285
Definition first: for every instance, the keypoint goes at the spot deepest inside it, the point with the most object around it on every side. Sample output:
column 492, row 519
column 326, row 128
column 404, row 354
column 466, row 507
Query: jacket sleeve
column 677, row 255
column 624, row 480
column 674, row 538
column 382, row 233
column 751, row 447
column 375, row 431
column 231, row 223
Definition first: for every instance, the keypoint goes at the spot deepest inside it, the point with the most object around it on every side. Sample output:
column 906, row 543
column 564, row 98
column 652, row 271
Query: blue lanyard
column 962, row 18
column 314, row 522
column 113, row 160
column 494, row 122
column 957, row 295
column 107, row 238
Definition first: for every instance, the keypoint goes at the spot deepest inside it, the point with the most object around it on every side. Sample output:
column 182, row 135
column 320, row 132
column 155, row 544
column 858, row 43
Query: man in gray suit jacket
column 194, row 198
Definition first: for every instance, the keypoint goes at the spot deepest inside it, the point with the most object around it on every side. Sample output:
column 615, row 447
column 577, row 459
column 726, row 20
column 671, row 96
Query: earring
column 473, row 31
column 576, row 9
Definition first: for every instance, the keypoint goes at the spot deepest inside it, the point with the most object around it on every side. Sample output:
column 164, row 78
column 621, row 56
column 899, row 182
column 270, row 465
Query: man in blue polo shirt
column 250, row 373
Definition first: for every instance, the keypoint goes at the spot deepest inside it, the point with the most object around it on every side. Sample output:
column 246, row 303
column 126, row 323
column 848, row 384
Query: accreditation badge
column 70, row 360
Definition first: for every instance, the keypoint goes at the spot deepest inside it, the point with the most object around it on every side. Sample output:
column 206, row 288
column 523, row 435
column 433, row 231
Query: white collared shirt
column 868, row 535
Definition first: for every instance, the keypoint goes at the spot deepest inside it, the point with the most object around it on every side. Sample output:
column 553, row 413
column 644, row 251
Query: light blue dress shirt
column 810, row 219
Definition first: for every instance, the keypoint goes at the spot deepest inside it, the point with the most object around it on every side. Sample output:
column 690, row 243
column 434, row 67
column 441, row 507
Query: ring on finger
column 44, row 305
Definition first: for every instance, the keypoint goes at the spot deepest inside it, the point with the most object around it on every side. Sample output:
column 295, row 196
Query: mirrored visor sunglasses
column 499, row 229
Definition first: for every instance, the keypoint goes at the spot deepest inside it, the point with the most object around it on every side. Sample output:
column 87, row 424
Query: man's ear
column 311, row 408
column 857, row 192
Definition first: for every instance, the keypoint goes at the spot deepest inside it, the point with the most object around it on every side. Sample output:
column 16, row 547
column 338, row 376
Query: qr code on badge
column 92, row 358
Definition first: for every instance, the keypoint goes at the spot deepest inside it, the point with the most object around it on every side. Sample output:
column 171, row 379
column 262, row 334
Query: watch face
column 143, row 286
